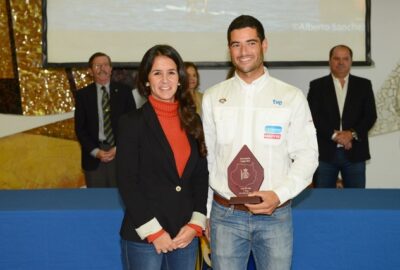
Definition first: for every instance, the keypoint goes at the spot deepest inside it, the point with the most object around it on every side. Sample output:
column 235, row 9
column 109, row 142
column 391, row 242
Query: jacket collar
column 151, row 120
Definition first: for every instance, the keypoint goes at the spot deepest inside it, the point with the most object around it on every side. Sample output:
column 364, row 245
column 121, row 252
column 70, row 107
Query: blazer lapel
column 191, row 163
column 92, row 103
column 349, row 96
column 113, row 96
column 151, row 120
column 332, row 98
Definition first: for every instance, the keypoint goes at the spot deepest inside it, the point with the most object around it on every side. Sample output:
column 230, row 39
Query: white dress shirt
column 273, row 119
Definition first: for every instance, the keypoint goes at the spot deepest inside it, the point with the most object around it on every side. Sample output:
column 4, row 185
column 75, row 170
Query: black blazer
column 359, row 113
column 87, row 117
column 148, row 179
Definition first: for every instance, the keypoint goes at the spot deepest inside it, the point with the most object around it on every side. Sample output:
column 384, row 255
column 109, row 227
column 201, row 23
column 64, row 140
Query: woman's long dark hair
column 190, row 121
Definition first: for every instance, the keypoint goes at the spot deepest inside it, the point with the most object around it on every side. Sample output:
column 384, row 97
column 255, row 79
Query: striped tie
column 105, row 103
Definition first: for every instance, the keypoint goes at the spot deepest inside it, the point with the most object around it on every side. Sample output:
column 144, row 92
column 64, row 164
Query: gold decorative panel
column 44, row 91
column 6, row 65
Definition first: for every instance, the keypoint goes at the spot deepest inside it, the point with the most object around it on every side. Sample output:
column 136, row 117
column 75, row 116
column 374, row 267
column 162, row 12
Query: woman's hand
column 164, row 243
column 184, row 237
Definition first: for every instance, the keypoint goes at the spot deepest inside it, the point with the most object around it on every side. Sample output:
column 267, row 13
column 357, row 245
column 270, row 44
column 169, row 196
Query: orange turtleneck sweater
column 167, row 114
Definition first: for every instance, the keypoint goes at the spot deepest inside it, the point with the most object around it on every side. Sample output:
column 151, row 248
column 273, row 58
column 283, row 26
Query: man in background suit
column 97, row 140
column 343, row 110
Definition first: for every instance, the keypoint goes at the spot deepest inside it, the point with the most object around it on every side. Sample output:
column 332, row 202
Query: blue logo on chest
column 273, row 129
column 272, row 132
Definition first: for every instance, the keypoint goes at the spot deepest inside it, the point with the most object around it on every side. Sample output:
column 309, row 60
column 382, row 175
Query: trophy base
column 245, row 200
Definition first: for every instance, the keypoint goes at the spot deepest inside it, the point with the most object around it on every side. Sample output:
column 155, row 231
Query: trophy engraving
column 245, row 175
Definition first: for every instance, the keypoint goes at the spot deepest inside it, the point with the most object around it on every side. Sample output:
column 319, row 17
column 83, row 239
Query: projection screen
column 299, row 32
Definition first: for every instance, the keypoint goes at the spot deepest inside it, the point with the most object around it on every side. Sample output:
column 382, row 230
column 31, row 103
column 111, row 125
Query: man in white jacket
column 271, row 119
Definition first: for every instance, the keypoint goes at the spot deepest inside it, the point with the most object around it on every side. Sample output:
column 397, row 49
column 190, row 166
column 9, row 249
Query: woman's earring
column 147, row 84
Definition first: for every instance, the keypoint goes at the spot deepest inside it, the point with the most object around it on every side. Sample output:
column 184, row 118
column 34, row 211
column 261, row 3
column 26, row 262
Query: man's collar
column 345, row 78
column 107, row 85
column 260, row 79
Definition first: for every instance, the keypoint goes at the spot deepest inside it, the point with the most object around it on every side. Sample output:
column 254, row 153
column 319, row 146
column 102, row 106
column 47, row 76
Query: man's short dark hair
column 341, row 46
column 244, row 21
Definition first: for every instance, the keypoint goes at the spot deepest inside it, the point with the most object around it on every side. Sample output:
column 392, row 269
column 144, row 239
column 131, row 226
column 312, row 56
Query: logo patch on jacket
column 272, row 132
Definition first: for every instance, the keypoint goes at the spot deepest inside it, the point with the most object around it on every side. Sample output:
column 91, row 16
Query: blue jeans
column 235, row 233
column 143, row 256
column 353, row 173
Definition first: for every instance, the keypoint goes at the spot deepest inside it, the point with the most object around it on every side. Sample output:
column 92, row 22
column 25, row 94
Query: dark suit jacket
column 359, row 113
column 87, row 117
column 148, row 179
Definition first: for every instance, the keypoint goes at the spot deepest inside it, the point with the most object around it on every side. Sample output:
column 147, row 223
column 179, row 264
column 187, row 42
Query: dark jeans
column 353, row 173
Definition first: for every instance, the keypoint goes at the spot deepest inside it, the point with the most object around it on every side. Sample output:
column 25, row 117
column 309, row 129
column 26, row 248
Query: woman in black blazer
column 162, row 169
